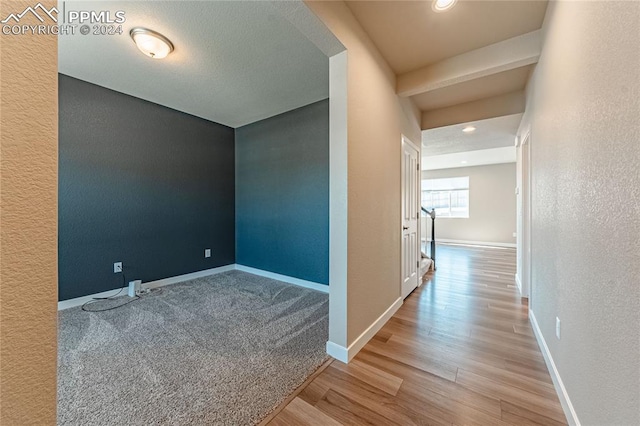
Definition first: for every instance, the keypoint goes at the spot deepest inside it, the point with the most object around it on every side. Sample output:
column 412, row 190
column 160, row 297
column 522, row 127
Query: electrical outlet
column 207, row 252
column 515, row 235
column 558, row 328
column 117, row 267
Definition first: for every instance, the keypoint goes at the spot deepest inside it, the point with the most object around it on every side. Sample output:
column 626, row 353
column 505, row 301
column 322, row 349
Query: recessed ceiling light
column 464, row 161
column 469, row 129
column 442, row 5
column 151, row 43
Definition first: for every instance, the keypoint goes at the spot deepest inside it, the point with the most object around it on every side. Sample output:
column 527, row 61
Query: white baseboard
column 284, row 278
column 346, row 354
column 186, row 277
column 79, row 301
column 518, row 284
column 567, row 407
column 338, row 352
column 474, row 243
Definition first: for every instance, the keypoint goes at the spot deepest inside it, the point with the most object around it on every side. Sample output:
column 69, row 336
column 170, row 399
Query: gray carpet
column 225, row 349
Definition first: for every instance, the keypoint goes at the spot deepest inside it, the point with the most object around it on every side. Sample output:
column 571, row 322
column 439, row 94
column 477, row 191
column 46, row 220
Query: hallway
column 459, row 351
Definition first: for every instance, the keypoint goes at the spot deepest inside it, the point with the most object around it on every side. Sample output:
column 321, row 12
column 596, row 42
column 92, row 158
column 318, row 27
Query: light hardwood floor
column 460, row 351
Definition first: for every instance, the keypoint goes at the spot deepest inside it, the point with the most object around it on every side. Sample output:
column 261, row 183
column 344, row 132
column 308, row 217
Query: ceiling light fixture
column 464, row 161
column 442, row 5
column 151, row 43
column 469, row 129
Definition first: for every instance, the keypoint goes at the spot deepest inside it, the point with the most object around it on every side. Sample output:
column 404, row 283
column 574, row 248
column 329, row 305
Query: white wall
column 492, row 205
column 583, row 110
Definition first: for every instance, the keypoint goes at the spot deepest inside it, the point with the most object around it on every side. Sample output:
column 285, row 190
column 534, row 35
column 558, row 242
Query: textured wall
column 376, row 120
column 583, row 109
column 282, row 193
column 28, row 240
column 142, row 184
column 492, row 205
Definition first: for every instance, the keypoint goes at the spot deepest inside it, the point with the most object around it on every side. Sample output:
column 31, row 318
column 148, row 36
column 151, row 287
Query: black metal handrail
column 432, row 254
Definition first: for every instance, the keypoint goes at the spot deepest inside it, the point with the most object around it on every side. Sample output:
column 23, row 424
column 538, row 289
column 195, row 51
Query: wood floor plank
column 412, row 355
column 518, row 415
column 524, row 330
column 508, row 338
column 455, row 410
column 459, row 351
column 300, row 413
column 349, row 412
column 489, row 346
column 382, row 336
column 432, row 323
column 313, row 392
column 405, row 329
column 395, row 409
column 453, row 355
column 545, row 406
column 433, row 383
column 483, row 364
column 371, row 375
column 536, row 372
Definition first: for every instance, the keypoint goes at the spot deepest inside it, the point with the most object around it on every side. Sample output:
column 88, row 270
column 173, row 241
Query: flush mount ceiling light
column 469, row 129
column 442, row 5
column 151, row 43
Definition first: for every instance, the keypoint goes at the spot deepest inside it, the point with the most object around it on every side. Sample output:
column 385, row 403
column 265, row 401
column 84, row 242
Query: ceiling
column 490, row 133
column 410, row 35
column 481, row 157
column 493, row 142
column 237, row 62
column 234, row 62
column 469, row 63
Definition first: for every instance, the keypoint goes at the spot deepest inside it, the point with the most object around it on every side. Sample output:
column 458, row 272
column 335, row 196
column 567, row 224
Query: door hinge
column 418, row 263
column 418, row 168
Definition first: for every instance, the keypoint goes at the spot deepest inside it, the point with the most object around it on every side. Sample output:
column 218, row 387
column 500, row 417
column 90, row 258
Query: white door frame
column 405, row 140
column 526, row 215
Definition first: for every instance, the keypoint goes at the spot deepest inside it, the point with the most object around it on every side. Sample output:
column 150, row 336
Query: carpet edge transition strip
column 271, row 415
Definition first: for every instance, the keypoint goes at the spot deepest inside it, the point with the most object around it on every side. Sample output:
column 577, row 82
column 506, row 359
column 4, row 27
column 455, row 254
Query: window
column 449, row 196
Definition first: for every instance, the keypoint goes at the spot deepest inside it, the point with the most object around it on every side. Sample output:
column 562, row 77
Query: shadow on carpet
column 225, row 349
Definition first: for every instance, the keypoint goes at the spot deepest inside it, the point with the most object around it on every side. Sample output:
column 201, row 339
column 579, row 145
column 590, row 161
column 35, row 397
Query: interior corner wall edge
column 583, row 109
column 282, row 193
column 377, row 118
column 142, row 184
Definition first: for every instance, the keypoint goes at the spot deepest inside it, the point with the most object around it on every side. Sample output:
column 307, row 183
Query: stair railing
column 432, row 254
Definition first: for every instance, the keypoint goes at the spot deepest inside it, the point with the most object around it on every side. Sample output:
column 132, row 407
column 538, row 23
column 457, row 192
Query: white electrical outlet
column 207, row 252
column 558, row 328
column 117, row 267
column 515, row 235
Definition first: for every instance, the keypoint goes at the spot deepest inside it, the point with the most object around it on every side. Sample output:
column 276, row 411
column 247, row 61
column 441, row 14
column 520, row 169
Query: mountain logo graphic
column 34, row 11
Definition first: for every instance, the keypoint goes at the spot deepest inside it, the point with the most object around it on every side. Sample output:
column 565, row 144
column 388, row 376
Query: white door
column 410, row 217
